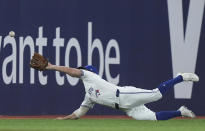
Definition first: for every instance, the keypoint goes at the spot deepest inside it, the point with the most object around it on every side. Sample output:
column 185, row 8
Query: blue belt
column 117, row 95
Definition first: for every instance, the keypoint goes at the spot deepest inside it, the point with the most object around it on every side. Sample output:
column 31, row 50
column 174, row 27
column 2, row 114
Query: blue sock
column 167, row 85
column 165, row 115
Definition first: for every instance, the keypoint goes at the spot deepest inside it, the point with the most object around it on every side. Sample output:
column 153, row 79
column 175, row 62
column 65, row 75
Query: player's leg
column 143, row 113
column 131, row 97
column 167, row 85
column 182, row 111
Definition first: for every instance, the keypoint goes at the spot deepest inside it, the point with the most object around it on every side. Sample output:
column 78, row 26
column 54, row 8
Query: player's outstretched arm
column 71, row 117
column 70, row 71
column 76, row 114
column 40, row 63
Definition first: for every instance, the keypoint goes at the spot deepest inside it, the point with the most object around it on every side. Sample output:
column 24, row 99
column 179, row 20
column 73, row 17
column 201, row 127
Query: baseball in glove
column 38, row 62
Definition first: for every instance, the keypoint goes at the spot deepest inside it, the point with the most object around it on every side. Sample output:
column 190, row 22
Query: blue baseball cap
column 89, row 68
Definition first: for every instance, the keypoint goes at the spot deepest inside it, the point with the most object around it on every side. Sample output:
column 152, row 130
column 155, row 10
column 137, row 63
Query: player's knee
column 150, row 117
column 157, row 94
column 141, row 113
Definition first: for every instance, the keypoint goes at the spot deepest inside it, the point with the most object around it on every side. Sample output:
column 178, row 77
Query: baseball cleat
column 189, row 77
column 186, row 112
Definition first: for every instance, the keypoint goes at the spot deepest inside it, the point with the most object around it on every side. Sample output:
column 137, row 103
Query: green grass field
column 101, row 125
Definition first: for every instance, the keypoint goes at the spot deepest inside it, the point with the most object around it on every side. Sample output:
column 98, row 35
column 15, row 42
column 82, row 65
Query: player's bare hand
column 61, row 118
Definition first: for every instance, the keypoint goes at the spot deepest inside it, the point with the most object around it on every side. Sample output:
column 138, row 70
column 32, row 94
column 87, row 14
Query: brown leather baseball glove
column 38, row 62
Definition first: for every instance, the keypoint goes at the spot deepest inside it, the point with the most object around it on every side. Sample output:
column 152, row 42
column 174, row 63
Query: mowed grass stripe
column 100, row 125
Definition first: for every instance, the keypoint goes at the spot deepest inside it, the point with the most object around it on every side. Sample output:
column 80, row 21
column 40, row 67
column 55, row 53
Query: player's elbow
column 80, row 112
column 73, row 73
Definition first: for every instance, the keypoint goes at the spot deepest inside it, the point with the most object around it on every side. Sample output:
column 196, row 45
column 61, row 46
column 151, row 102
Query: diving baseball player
column 127, row 98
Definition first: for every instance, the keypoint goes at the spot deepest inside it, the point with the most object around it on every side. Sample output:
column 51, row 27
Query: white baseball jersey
column 98, row 91
column 131, row 99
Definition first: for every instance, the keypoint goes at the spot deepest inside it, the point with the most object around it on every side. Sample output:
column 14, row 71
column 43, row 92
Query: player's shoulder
column 87, row 74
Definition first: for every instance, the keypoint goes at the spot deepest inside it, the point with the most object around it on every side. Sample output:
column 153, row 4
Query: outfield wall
column 132, row 42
